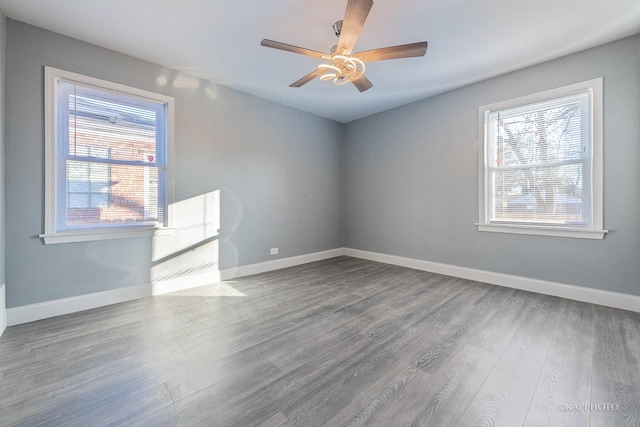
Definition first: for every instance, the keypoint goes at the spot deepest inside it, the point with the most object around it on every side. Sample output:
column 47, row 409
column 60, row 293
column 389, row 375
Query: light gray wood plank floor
column 340, row 342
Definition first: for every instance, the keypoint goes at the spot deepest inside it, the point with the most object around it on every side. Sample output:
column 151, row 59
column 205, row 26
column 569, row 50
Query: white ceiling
column 219, row 40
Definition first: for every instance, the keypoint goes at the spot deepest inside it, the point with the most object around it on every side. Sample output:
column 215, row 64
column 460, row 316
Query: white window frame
column 595, row 229
column 52, row 235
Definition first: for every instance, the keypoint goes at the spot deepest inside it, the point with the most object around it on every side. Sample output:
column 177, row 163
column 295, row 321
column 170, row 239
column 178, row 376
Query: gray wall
column 411, row 178
column 2, row 222
column 277, row 172
column 403, row 182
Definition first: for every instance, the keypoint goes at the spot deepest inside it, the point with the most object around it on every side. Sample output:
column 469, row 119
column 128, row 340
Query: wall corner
column 3, row 311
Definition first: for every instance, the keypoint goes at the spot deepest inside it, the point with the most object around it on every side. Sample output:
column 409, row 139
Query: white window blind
column 538, row 158
column 112, row 155
column 538, row 161
column 108, row 155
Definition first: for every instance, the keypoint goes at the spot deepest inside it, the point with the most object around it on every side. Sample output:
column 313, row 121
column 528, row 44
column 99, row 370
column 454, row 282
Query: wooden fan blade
column 354, row 17
column 291, row 48
column 362, row 84
column 393, row 52
column 306, row 79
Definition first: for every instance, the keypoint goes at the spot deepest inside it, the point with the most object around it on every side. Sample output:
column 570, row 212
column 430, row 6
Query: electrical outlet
column 274, row 251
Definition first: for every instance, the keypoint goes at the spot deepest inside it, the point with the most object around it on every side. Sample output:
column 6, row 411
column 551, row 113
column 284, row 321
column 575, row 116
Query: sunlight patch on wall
column 162, row 79
column 189, row 255
column 212, row 91
column 186, row 82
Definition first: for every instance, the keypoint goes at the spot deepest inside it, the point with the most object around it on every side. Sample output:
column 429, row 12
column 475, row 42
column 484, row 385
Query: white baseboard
column 59, row 307
column 44, row 310
column 578, row 293
column 3, row 310
column 263, row 267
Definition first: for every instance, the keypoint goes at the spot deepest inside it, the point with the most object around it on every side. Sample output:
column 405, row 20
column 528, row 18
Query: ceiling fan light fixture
column 343, row 69
column 331, row 71
column 328, row 76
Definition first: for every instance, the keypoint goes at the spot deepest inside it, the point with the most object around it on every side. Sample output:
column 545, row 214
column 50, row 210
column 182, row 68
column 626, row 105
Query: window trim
column 595, row 230
column 51, row 235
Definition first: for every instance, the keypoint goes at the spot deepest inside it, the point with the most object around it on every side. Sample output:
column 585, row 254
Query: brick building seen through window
column 100, row 191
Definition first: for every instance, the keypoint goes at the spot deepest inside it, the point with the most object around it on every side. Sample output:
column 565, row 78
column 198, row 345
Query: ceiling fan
column 346, row 67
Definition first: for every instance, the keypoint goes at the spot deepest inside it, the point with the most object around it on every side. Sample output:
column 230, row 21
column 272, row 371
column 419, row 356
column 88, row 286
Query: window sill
column 544, row 231
column 89, row 235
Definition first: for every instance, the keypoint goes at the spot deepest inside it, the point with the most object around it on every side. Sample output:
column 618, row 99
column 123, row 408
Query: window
column 106, row 159
column 541, row 163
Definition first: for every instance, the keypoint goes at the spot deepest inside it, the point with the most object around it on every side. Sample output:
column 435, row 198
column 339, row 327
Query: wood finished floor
column 341, row 342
